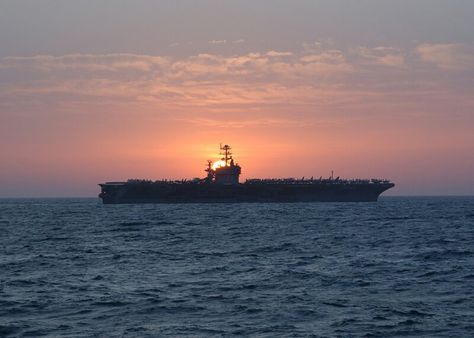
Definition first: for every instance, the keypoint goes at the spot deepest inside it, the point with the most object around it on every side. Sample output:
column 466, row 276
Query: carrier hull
column 151, row 192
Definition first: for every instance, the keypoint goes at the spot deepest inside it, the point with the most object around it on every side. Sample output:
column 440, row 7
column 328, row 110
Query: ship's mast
column 210, row 172
column 225, row 150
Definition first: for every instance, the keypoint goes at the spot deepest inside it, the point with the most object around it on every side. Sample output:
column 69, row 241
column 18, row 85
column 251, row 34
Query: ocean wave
column 77, row 268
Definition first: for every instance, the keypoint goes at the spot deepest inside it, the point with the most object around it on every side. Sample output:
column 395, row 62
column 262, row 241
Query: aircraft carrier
column 221, row 185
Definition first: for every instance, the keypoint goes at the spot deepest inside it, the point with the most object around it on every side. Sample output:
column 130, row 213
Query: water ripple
column 77, row 268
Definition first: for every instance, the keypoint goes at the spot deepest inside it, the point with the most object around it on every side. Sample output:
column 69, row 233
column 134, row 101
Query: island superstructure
column 221, row 185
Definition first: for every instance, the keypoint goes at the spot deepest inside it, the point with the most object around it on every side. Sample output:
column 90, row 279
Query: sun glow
column 218, row 164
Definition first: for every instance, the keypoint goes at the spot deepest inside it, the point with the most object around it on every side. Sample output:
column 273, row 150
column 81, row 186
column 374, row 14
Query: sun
column 218, row 164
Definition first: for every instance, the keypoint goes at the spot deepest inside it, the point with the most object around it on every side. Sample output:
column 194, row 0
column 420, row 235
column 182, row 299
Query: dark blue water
column 77, row 268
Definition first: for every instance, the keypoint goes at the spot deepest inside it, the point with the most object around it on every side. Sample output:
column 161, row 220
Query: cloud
column 447, row 56
column 217, row 42
column 86, row 62
column 273, row 53
column 312, row 45
column 246, row 123
column 318, row 45
column 331, row 56
column 384, row 56
column 391, row 60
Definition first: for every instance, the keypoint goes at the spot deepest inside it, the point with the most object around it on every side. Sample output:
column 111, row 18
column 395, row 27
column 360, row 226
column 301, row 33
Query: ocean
column 403, row 266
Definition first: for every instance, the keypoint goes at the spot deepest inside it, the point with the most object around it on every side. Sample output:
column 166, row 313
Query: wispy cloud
column 447, row 56
column 332, row 56
column 385, row 56
column 274, row 53
column 85, row 62
column 217, row 42
column 245, row 123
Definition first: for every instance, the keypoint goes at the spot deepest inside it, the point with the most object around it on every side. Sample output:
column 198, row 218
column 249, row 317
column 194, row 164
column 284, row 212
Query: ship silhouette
column 221, row 185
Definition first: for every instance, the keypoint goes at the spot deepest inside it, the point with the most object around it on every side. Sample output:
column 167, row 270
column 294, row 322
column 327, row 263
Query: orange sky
column 401, row 109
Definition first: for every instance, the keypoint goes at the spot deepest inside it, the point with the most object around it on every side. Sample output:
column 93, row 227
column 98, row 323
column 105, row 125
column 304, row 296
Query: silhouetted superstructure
column 221, row 185
column 226, row 172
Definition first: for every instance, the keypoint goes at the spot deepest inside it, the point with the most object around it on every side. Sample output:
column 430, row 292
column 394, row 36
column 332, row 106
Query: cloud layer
column 271, row 77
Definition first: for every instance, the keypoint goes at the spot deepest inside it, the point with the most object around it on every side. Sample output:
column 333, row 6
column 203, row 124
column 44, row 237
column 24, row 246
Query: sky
column 95, row 91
